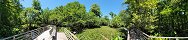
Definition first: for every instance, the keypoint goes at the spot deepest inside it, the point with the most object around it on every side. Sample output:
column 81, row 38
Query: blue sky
column 105, row 5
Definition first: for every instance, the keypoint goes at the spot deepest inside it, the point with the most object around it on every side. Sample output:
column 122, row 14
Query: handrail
column 28, row 35
column 164, row 37
column 140, row 33
column 170, row 37
column 69, row 35
column 53, row 32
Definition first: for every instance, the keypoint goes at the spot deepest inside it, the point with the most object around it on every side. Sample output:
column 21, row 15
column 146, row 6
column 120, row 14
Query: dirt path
column 61, row 36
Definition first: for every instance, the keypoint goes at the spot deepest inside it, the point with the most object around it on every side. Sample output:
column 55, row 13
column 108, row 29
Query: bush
column 117, row 22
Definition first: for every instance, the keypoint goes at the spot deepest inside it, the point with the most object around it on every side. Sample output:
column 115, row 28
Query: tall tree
column 45, row 16
column 112, row 14
column 36, row 5
column 92, row 20
column 106, row 18
column 96, row 9
column 143, row 14
column 9, row 21
column 27, row 16
column 117, row 22
column 125, row 17
column 73, row 15
column 173, row 17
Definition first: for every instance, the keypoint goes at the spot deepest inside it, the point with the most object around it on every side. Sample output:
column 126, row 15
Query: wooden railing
column 69, row 35
column 168, row 38
column 135, row 34
column 53, row 32
column 29, row 35
column 163, row 38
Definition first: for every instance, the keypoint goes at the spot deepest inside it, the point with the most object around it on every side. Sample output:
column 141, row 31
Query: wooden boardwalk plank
column 61, row 36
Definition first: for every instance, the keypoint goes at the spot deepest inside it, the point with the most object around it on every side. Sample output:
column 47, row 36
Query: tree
column 105, row 21
column 36, row 5
column 45, row 16
column 96, row 9
column 71, row 15
column 92, row 21
column 27, row 17
column 106, row 18
column 172, row 17
column 125, row 17
column 165, row 17
column 117, row 22
column 9, row 21
column 143, row 14
column 112, row 14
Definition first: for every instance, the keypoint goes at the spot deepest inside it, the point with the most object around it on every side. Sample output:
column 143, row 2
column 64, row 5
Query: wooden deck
column 61, row 36
column 44, row 33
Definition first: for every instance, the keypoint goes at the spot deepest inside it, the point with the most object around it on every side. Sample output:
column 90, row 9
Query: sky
column 106, row 6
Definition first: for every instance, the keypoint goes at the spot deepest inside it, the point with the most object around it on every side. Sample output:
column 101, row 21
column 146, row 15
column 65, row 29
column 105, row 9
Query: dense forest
column 154, row 17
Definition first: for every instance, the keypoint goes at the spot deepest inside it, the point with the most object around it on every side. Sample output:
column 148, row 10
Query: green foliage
column 160, row 39
column 61, row 29
column 117, row 22
column 173, row 18
column 96, row 9
column 167, row 17
column 92, row 20
column 28, row 18
column 36, row 5
column 123, row 19
column 74, row 13
column 157, row 34
column 9, row 21
column 75, row 16
column 105, row 21
column 45, row 16
column 155, row 17
column 14, row 19
column 112, row 14
column 103, row 33
column 143, row 14
column 118, row 38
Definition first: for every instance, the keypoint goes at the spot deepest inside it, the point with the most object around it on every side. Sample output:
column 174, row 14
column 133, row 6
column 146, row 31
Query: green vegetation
column 154, row 17
column 103, row 33
column 60, row 29
column 164, row 17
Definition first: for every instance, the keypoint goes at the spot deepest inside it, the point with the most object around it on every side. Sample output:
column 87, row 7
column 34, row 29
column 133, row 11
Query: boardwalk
column 44, row 36
column 47, row 36
column 61, row 36
column 44, row 33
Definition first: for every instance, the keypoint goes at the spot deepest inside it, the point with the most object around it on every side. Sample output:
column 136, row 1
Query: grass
column 103, row 33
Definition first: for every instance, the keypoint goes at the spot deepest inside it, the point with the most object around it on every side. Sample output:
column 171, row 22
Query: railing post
column 40, row 30
column 177, row 39
column 14, row 38
column 128, row 36
column 32, row 35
